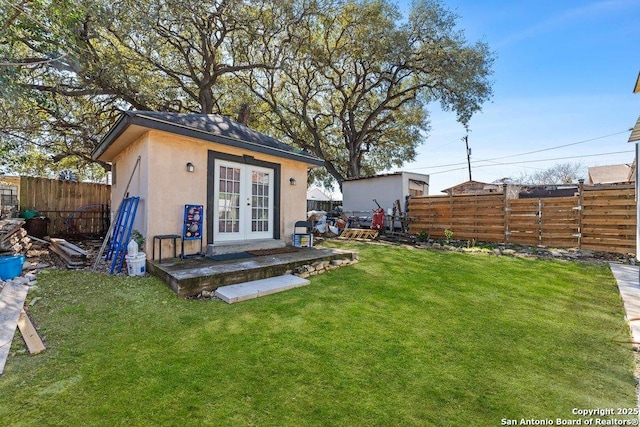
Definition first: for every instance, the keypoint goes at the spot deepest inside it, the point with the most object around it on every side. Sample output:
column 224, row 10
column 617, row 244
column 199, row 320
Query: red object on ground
column 377, row 222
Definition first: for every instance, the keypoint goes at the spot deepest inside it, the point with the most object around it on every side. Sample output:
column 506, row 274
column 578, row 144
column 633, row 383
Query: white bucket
column 136, row 264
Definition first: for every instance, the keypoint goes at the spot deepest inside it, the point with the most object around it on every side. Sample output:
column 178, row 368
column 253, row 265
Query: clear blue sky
column 564, row 73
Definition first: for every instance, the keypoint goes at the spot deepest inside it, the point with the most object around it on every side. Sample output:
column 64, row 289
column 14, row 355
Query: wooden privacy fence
column 596, row 218
column 73, row 208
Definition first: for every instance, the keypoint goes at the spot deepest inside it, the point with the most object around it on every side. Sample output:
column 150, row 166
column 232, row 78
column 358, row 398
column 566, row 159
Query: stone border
column 319, row 267
column 531, row 251
column 504, row 249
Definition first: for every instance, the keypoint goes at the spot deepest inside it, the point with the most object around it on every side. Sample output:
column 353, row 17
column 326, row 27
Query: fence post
column 451, row 210
column 540, row 204
column 579, row 209
column 507, row 211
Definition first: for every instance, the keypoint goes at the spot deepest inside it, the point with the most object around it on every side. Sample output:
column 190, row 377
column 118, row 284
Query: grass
column 405, row 337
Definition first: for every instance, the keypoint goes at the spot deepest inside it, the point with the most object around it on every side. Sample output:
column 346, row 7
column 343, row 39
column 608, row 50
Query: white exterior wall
column 164, row 185
column 358, row 194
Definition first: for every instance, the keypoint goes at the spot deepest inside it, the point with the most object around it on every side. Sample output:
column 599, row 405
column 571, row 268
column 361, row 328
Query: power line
column 525, row 153
column 556, row 147
column 534, row 161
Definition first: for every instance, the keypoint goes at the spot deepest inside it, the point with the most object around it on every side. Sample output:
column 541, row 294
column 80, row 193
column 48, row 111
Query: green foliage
column 422, row 236
column 357, row 91
column 138, row 238
column 448, row 235
column 347, row 81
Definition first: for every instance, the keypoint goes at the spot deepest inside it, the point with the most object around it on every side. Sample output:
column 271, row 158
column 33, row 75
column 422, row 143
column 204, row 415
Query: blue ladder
column 122, row 233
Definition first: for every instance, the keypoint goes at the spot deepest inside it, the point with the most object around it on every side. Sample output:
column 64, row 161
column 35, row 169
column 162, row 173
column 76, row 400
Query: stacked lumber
column 13, row 238
column 72, row 255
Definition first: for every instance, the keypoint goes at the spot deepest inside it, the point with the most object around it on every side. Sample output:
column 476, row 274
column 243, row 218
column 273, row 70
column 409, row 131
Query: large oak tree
column 350, row 81
column 356, row 85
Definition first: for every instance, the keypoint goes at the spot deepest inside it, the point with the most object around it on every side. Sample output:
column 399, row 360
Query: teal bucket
column 11, row 266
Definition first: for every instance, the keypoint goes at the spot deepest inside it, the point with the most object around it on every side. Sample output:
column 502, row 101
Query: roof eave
column 128, row 119
column 635, row 132
column 113, row 134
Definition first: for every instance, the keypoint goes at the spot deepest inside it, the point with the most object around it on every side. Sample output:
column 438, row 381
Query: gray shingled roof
column 210, row 127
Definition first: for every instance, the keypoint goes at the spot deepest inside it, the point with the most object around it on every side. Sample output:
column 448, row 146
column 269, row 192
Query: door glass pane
column 260, row 201
column 229, row 200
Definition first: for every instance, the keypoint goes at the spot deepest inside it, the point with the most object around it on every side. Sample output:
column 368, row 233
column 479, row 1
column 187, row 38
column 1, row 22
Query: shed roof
column 209, row 127
column 413, row 176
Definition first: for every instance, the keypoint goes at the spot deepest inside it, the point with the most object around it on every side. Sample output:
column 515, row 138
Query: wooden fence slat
column 67, row 204
column 605, row 221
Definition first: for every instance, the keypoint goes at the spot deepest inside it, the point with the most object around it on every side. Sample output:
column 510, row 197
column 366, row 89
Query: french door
column 244, row 201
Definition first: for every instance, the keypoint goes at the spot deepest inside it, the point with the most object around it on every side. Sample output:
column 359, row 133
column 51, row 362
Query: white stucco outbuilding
column 358, row 194
column 252, row 187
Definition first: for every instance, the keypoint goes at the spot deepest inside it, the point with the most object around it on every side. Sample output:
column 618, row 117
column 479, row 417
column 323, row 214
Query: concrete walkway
column 628, row 280
column 629, row 286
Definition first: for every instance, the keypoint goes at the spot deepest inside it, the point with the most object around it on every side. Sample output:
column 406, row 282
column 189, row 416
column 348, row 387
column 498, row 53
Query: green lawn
column 404, row 337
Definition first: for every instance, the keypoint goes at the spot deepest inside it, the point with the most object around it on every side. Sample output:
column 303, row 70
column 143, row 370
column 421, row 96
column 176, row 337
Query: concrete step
column 258, row 288
column 189, row 277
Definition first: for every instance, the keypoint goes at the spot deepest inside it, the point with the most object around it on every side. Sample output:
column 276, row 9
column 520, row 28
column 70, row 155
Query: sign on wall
column 193, row 215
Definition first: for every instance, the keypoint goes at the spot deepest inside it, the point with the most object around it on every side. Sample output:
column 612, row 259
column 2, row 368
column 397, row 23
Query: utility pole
column 466, row 141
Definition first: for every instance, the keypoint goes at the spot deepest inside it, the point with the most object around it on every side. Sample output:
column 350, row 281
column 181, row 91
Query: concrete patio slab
column 259, row 288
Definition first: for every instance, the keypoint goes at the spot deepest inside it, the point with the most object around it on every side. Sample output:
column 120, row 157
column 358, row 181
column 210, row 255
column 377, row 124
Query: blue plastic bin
column 11, row 266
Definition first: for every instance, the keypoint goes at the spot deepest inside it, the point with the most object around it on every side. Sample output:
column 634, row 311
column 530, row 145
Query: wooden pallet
column 359, row 233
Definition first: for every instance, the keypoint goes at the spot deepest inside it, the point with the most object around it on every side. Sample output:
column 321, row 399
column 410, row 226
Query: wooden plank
column 72, row 263
column 70, row 246
column 608, row 221
column 11, row 302
column 39, row 241
column 610, row 193
column 29, row 334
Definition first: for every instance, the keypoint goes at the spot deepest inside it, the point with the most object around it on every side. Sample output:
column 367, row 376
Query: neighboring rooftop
column 612, row 174
column 473, row 187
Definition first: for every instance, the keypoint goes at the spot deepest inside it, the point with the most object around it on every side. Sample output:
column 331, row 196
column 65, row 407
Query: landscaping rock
column 530, row 251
